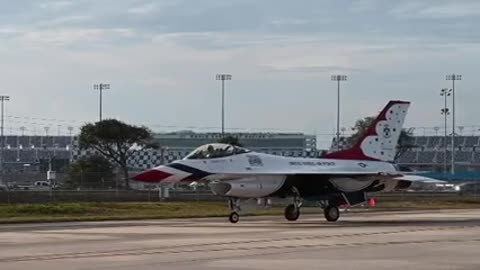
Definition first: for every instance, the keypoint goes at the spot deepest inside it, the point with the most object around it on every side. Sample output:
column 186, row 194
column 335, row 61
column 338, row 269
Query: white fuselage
column 264, row 164
column 255, row 175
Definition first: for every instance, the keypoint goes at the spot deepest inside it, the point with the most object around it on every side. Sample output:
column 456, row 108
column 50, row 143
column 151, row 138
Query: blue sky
column 161, row 57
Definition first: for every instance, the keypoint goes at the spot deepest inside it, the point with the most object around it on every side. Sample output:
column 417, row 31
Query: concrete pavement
column 448, row 239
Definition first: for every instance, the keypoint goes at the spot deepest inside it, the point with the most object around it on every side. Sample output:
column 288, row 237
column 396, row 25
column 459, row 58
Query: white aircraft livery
column 339, row 178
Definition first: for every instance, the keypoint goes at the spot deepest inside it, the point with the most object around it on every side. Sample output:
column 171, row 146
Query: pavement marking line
column 276, row 250
column 215, row 248
column 355, row 244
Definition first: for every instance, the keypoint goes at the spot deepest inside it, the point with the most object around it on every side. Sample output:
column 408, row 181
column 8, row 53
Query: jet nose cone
column 153, row 175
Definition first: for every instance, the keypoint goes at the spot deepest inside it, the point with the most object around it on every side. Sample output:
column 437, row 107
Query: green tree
column 229, row 139
column 116, row 141
column 90, row 172
column 405, row 141
column 361, row 126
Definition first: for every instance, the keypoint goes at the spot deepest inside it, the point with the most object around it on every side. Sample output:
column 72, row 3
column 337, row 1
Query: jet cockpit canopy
column 215, row 150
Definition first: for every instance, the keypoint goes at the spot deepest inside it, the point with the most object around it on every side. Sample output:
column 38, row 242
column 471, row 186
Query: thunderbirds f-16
column 338, row 178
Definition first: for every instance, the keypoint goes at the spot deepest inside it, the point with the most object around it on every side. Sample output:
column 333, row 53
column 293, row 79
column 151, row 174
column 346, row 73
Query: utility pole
column 100, row 87
column 223, row 78
column 445, row 92
column 453, row 77
column 338, row 78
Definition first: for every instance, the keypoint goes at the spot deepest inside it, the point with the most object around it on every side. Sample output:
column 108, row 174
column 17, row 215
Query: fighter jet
column 338, row 178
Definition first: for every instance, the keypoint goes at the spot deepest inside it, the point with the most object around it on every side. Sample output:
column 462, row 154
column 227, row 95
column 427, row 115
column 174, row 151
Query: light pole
column 70, row 131
column 2, row 146
column 100, row 87
column 338, row 78
column 445, row 92
column 223, row 78
column 453, row 77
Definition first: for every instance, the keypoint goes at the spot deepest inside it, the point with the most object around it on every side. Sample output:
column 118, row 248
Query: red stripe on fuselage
column 152, row 176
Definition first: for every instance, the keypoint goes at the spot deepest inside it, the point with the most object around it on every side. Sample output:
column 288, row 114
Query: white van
column 41, row 185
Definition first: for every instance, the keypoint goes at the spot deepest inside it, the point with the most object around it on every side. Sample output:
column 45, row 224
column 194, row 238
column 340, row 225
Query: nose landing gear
column 292, row 211
column 234, row 205
column 234, row 217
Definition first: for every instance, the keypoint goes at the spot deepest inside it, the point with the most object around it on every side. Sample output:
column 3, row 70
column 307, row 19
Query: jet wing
column 331, row 173
column 418, row 178
column 352, row 174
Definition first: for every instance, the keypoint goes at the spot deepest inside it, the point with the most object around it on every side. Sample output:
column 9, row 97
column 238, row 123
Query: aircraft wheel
column 331, row 213
column 234, row 217
column 291, row 212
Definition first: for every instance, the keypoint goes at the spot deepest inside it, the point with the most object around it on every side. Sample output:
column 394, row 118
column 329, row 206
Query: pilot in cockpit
column 210, row 151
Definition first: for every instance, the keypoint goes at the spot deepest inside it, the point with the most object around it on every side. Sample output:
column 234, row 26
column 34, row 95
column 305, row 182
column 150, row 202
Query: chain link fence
column 72, row 196
column 32, row 187
column 168, row 194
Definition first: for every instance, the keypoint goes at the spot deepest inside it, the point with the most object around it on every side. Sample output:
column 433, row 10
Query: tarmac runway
column 447, row 239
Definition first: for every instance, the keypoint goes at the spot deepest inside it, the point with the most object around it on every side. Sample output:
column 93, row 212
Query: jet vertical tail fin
column 380, row 139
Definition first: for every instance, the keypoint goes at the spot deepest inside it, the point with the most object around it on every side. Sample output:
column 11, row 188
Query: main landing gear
column 292, row 211
column 331, row 213
column 234, row 205
column 330, row 210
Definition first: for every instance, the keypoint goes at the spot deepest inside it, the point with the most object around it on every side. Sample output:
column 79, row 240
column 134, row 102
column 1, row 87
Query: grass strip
column 24, row 213
column 29, row 213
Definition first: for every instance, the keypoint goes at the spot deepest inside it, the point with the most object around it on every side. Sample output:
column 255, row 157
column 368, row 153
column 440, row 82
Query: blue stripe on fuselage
column 196, row 173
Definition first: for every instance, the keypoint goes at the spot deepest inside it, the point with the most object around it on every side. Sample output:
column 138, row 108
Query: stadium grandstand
column 27, row 158
column 429, row 153
column 23, row 154
column 31, row 153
